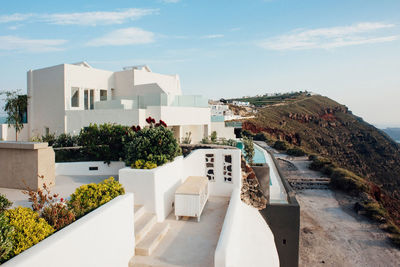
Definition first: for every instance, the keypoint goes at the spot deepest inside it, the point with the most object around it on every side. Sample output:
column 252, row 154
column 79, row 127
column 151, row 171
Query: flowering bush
column 58, row 215
column 6, row 241
column 157, row 145
column 88, row 197
column 141, row 164
column 29, row 229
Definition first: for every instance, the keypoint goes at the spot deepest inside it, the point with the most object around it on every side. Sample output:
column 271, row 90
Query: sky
column 347, row 50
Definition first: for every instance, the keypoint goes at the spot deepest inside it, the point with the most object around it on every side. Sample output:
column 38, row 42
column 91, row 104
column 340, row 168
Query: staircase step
column 152, row 239
column 139, row 211
column 143, row 225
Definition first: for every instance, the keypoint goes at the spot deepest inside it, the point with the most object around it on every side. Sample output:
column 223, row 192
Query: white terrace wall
column 195, row 165
column 245, row 239
column 89, row 168
column 8, row 133
column 104, row 237
column 155, row 188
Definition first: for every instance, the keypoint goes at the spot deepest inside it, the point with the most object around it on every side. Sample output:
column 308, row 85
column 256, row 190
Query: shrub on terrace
column 29, row 229
column 4, row 203
column 90, row 196
column 154, row 144
column 141, row 164
column 6, row 241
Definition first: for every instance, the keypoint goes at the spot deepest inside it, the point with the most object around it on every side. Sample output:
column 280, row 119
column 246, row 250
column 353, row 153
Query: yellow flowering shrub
column 29, row 228
column 90, row 196
column 142, row 164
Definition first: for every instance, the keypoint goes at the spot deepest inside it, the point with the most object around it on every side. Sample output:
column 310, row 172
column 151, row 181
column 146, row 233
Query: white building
column 67, row 97
column 241, row 103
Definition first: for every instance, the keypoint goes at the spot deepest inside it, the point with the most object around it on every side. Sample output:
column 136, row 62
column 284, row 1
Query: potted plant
column 261, row 170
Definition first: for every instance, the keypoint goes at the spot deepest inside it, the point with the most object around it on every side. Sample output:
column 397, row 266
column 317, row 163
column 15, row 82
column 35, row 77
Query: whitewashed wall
column 76, row 119
column 82, row 168
column 194, row 165
column 8, row 133
column 155, row 188
column 222, row 131
column 104, row 237
column 245, row 239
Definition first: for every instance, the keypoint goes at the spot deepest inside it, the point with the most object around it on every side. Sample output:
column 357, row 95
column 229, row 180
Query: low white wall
column 222, row 131
column 83, row 168
column 245, row 239
column 180, row 115
column 8, row 133
column 155, row 188
column 194, row 165
column 104, row 237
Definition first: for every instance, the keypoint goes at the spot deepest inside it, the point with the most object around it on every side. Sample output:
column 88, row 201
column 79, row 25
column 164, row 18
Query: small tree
column 213, row 137
column 15, row 108
column 248, row 148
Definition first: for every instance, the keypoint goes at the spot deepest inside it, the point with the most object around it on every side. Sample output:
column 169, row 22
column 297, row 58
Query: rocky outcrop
column 251, row 192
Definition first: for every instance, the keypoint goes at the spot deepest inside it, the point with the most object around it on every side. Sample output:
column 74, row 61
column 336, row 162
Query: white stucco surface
column 155, row 188
column 222, row 131
column 246, row 239
column 8, row 133
column 104, row 237
column 82, row 168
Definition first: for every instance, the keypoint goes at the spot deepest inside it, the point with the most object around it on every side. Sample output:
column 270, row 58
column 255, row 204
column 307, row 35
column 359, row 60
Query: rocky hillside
column 325, row 127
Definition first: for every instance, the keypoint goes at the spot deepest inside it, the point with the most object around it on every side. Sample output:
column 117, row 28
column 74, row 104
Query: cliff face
column 323, row 126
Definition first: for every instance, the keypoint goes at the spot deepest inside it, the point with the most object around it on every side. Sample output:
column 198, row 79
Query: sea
column 2, row 120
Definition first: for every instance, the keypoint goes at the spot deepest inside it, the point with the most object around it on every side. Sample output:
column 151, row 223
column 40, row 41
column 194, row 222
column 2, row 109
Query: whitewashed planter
column 154, row 188
column 88, row 168
column 104, row 237
column 244, row 237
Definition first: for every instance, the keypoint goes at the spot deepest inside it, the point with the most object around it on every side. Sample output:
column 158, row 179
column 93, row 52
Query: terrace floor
column 64, row 186
column 188, row 242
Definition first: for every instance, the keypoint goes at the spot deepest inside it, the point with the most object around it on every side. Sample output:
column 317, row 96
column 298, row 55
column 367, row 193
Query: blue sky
column 347, row 50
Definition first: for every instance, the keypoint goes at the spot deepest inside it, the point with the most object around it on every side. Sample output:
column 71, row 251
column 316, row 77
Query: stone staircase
column 148, row 233
column 309, row 183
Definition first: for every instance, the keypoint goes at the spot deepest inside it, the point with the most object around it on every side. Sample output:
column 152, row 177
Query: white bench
column 191, row 197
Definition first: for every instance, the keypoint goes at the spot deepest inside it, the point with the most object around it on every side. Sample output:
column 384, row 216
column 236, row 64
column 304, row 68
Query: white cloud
column 327, row 38
column 213, row 36
column 14, row 43
column 14, row 17
column 126, row 36
column 92, row 18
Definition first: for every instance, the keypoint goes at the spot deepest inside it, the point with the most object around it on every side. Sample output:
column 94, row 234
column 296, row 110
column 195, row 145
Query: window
column 75, row 97
column 103, row 95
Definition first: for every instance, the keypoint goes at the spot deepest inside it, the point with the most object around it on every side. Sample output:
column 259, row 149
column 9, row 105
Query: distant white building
column 67, row 97
column 241, row 103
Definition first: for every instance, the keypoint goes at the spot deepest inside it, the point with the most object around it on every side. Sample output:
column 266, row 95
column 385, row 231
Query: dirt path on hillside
column 331, row 233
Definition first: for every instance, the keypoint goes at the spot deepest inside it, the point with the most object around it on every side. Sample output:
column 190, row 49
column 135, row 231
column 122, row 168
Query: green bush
column 348, row 181
column 49, row 138
column 105, row 142
column 29, row 229
column 4, row 203
column 141, row 164
column 280, row 145
column 65, row 140
column 260, row 137
column 319, row 162
column 156, row 144
column 213, row 137
column 90, row 196
column 248, row 149
column 296, row 152
column 6, row 240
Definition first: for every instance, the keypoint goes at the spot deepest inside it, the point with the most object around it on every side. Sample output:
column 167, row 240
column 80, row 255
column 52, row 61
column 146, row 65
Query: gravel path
column 331, row 233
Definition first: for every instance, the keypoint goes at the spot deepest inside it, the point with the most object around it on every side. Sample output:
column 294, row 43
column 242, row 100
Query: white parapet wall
column 155, row 188
column 8, row 133
column 104, row 237
column 245, row 239
column 195, row 165
column 89, row 168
